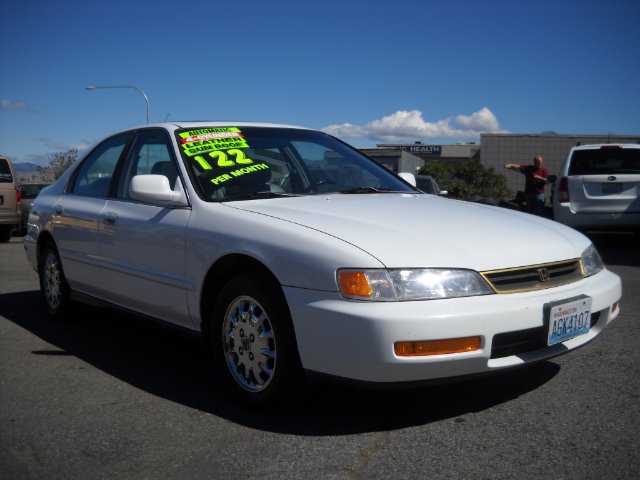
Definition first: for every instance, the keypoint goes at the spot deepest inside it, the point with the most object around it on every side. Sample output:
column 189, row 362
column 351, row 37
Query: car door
column 76, row 215
column 143, row 243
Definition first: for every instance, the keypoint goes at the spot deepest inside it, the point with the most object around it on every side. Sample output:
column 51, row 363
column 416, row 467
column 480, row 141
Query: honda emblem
column 543, row 274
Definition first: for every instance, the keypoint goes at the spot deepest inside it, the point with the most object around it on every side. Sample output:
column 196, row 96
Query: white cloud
column 482, row 121
column 410, row 126
column 63, row 147
column 82, row 147
column 8, row 105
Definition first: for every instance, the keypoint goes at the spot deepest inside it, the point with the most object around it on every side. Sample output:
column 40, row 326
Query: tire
column 53, row 284
column 254, row 343
column 5, row 233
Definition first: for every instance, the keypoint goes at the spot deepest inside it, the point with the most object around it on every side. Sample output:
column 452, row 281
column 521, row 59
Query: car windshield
column 605, row 161
column 237, row 163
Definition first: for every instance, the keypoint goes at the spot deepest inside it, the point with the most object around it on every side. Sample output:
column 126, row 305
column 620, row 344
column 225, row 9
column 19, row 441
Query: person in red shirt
column 536, row 177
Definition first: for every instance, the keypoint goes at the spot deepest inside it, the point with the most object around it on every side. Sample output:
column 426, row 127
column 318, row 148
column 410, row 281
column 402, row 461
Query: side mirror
column 156, row 189
column 408, row 177
column 443, row 193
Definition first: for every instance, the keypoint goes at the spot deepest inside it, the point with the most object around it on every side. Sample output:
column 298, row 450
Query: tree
column 467, row 180
column 59, row 162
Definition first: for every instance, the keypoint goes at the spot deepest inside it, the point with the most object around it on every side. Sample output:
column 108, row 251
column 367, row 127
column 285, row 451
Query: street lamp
column 146, row 99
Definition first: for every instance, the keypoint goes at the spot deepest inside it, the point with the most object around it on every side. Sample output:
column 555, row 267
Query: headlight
column 410, row 284
column 591, row 261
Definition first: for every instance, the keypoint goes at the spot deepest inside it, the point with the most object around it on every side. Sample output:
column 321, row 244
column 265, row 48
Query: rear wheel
column 53, row 284
column 254, row 341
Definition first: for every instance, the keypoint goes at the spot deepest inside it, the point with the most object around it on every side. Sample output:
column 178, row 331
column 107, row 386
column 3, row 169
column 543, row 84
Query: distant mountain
column 25, row 167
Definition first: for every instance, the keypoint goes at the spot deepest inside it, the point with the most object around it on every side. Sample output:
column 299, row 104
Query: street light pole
column 146, row 99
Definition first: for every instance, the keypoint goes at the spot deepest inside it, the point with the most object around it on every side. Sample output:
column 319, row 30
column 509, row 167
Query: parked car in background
column 28, row 193
column 598, row 188
column 292, row 252
column 428, row 184
column 10, row 215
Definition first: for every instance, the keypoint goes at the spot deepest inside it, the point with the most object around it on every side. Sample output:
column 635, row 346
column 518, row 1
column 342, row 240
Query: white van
column 10, row 215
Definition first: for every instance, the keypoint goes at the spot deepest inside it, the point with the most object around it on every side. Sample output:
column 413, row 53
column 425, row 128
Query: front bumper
column 355, row 339
column 11, row 219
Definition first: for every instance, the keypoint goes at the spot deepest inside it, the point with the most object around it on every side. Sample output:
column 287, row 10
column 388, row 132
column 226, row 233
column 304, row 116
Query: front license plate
column 569, row 319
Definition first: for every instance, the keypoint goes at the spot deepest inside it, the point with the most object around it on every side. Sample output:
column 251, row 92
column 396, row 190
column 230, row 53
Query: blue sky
column 368, row 71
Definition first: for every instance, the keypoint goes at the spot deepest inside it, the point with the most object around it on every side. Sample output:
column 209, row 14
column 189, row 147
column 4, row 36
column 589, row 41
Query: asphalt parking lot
column 105, row 395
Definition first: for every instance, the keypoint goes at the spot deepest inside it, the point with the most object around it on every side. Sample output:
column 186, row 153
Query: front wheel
column 254, row 341
column 53, row 284
column 5, row 233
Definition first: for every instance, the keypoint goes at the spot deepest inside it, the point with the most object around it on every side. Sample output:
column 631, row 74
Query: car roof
column 213, row 123
column 176, row 125
column 597, row 146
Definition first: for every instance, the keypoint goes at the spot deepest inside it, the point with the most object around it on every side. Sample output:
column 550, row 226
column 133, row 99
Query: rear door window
column 93, row 178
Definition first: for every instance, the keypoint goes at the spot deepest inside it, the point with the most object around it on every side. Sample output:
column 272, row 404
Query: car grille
column 523, row 341
column 534, row 277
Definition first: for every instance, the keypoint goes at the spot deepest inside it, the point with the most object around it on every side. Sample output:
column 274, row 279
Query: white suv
column 599, row 188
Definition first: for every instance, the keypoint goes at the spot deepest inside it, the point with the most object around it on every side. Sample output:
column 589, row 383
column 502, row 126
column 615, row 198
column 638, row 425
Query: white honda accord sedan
column 293, row 253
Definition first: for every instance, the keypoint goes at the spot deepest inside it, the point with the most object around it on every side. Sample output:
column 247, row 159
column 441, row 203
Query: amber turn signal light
column 437, row 347
column 354, row 284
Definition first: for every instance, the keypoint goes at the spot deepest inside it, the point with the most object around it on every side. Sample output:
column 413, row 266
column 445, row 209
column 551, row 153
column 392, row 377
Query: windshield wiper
column 258, row 196
column 357, row 190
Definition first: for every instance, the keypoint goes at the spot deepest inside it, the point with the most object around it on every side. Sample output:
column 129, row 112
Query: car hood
column 408, row 230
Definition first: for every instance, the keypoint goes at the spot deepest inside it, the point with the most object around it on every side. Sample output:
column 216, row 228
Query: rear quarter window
column 5, row 171
column 605, row 161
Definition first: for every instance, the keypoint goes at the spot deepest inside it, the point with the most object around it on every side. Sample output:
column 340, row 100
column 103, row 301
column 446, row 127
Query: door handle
column 110, row 218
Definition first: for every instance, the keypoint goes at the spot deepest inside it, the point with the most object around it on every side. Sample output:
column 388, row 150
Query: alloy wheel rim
column 52, row 282
column 249, row 344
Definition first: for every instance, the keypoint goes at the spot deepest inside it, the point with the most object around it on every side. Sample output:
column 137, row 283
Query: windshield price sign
column 568, row 320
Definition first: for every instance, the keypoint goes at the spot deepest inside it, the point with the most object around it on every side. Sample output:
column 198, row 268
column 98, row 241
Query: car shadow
column 173, row 365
